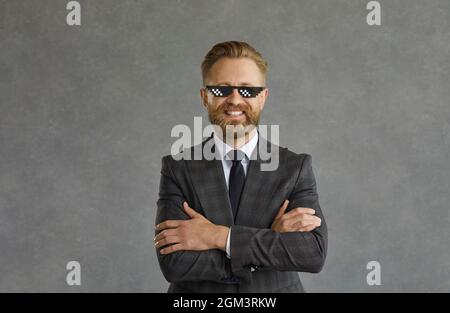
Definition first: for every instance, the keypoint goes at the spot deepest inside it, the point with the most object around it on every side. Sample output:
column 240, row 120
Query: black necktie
column 236, row 180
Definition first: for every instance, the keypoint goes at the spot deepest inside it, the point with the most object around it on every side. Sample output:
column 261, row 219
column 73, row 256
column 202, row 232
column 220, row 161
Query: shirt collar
column 222, row 148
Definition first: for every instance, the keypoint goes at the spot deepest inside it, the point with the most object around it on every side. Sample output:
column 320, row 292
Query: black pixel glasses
column 244, row 91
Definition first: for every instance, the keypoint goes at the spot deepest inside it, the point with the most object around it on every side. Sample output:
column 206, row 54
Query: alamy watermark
column 73, row 277
column 73, row 18
column 187, row 139
column 373, row 277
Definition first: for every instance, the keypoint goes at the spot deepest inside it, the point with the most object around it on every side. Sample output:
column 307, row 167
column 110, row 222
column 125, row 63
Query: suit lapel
column 258, row 189
column 209, row 183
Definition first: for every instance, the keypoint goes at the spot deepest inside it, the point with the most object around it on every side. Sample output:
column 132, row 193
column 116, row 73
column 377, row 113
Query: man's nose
column 235, row 97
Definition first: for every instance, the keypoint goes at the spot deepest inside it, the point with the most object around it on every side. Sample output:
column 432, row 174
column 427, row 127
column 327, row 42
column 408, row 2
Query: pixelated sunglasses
column 244, row 91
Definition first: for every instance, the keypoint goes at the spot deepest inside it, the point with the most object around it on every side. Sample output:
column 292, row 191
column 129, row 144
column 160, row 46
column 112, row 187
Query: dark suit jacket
column 276, row 257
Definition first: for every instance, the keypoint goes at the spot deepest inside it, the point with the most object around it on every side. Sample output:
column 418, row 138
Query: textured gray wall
column 86, row 114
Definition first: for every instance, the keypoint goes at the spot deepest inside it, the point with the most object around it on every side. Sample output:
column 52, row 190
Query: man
column 226, row 225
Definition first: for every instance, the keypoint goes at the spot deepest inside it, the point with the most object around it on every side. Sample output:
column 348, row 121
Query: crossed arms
column 191, row 248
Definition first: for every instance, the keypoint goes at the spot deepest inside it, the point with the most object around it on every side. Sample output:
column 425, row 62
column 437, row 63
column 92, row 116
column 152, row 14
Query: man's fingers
column 167, row 240
column 168, row 224
column 165, row 233
column 282, row 208
column 301, row 210
column 191, row 212
column 171, row 249
column 305, row 220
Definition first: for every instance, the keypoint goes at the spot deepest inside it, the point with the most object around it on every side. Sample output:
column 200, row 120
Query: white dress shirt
column 221, row 151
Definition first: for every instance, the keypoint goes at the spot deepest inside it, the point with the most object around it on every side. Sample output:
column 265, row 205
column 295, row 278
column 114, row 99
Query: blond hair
column 232, row 49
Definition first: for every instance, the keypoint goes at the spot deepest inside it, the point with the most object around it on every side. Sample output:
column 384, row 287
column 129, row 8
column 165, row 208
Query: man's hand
column 297, row 219
column 197, row 233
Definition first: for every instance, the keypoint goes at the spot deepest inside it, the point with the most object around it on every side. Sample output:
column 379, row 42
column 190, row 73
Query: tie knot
column 235, row 155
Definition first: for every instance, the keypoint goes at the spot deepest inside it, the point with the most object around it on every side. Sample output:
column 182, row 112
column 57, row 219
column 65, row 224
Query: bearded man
column 226, row 224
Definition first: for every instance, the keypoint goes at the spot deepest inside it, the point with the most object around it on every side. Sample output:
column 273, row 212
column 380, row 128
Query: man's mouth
column 234, row 113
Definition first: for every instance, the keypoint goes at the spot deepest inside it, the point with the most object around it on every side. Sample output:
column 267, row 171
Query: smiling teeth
column 234, row 113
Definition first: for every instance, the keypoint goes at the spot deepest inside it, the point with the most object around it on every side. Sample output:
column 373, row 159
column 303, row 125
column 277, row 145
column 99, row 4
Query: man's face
column 234, row 109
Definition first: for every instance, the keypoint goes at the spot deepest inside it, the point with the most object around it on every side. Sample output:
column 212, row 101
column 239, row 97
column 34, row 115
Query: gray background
column 86, row 114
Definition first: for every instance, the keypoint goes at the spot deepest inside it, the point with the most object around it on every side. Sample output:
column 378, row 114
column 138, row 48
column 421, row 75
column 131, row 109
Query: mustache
column 217, row 114
column 227, row 107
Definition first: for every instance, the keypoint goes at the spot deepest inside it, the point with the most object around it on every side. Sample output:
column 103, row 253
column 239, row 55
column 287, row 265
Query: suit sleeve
column 288, row 251
column 179, row 266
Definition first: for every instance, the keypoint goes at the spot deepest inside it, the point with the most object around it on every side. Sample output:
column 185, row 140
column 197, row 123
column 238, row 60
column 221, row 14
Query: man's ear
column 204, row 97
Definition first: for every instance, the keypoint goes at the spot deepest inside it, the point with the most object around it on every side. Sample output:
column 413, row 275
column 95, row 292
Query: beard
column 231, row 128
